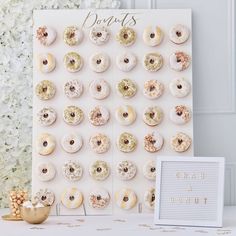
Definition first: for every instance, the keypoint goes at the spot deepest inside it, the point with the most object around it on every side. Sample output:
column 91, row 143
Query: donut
column 179, row 61
column 126, row 88
column 99, row 170
column 73, row 88
column 99, row 143
column 73, row 62
column 46, row 35
column 71, row 143
column 99, row 89
column 149, row 170
column 153, row 116
column 153, row 142
column 179, row 34
column 45, row 196
column 99, row 62
column 126, row 61
column 180, row 114
column 72, row 171
column 125, row 115
column 180, row 142
column 126, row 36
column 149, row 198
column 71, row 198
column 73, row 35
column 126, row 170
column 152, row 62
column 153, row 89
column 152, row 36
column 46, row 171
column 125, row 198
column 126, row 142
column 45, row 144
column 45, row 90
column 99, row 198
column 99, row 115
column 179, row 87
column 46, row 62
column 46, row 116
column 73, row 115
column 99, row 35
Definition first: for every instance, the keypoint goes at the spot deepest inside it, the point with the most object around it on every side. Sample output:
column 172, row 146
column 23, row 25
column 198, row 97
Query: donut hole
column 71, row 35
column 126, row 87
column 152, row 35
column 180, row 141
column 45, row 143
column 71, row 169
column 125, row 169
column 179, row 113
column 99, row 197
column 72, row 142
column 45, row 115
column 72, row 88
column 45, row 89
column 126, row 141
column 151, row 88
column 72, row 114
column 151, row 61
column 178, row 33
column 44, row 170
column 126, row 60
column 45, row 34
column 178, row 59
column 98, row 61
column 125, row 199
column 153, row 141
column 99, row 88
column 99, row 142
column 153, row 197
column 125, row 36
column 98, row 115
column 153, row 169
column 45, row 62
column 99, row 34
column 99, row 169
column 125, row 114
column 71, row 198
column 72, row 61
column 151, row 115
column 179, row 86
column 43, row 198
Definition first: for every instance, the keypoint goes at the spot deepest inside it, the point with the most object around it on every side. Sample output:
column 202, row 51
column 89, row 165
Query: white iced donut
column 71, row 198
column 99, row 89
column 46, row 62
column 180, row 142
column 99, row 35
column 73, row 35
column 152, row 36
column 125, row 115
column 125, row 198
column 153, row 142
column 45, row 90
column 45, row 144
column 153, row 89
column 126, row 142
column 45, row 196
column 179, row 87
column 99, row 62
column 99, row 170
column 149, row 198
column 46, row 171
column 71, row 143
column 126, row 88
column 180, row 114
column 47, row 116
column 126, row 36
column 152, row 62
column 153, row 116
column 73, row 88
column 72, row 170
column 149, row 170
column 46, row 35
column 73, row 62
column 73, row 115
column 179, row 34
column 99, row 198
column 99, row 116
column 126, row 61
column 179, row 61
column 126, row 170
column 99, row 143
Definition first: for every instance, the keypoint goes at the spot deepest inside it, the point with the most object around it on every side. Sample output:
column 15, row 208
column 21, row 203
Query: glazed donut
column 180, row 142
column 179, row 34
column 180, row 114
column 152, row 62
column 71, row 143
column 46, row 62
column 99, row 115
column 71, row 198
column 73, row 115
column 99, row 143
column 149, row 170
column 126, row 170
column 46, row 116
column 126, row 142
column 99, row 170
column 125, row 115
column 126, row 36
column 152, row 36
column 73, row 62
column 179, row 87
column 46, row 35
column 45, row 196
column 153, row 116
column 99, row 62
column 126, row 88
column 72, row 170
column 45, row 90
column 45, row 144
column 46, row 171
column 73, row 88
column 73, row 35
column 179, row 61
column 99, row 89
column 153, row 89
column 149, row 198
column 126, row 61
column 99, row 198
column 125, row 198
column 153, row 142
column 99, row 35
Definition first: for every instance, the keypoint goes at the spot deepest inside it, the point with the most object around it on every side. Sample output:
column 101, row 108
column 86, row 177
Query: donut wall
column 112, row 93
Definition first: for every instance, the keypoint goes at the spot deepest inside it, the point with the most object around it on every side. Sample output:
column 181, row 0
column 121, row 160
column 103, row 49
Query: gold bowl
column 35, row 215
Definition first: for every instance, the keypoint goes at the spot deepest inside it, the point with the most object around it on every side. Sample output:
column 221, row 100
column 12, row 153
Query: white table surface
column 112, row 225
